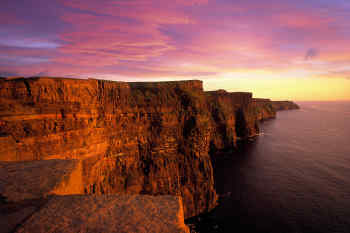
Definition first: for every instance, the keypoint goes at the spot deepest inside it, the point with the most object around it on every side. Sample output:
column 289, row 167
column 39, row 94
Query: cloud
column 27, row 43
column 7, row 74
column 42, row 73
column 21, row 60
column 311, row 53
column 192, row 2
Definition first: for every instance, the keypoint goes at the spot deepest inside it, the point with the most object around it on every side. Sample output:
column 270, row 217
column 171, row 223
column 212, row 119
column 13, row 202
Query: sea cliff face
column 127, row 138
column 234, row 118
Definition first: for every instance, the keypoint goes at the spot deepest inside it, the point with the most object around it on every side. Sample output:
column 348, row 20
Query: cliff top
column 184, row 84
column 222, row 91
column 283, row 101
column 261, row 100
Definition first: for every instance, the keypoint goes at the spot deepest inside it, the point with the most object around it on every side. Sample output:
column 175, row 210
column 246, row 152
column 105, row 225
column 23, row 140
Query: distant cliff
column 132, row 138
column 264, row 109
column 284, row 105
column 234, row 118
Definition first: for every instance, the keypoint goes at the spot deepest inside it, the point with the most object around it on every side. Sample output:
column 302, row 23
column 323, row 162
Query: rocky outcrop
column 30, row 203
column 108, row 213
column 284, row 105
column 39, row 179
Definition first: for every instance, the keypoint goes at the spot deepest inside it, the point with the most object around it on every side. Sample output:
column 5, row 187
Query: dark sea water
column 294, row 178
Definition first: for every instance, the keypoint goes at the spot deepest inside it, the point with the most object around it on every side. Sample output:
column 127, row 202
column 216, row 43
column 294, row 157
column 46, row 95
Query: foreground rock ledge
column 108, row 213
column 27, row 204
column 27, row 180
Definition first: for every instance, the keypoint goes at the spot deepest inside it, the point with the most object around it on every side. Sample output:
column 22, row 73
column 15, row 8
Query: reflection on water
column 294, row 178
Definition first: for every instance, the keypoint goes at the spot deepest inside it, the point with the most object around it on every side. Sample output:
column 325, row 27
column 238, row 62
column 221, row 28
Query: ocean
column 294, row 178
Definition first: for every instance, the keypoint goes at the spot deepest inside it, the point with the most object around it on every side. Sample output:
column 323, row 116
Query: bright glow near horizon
column 298, row 89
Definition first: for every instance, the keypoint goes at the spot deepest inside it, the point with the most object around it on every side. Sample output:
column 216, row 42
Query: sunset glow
column 287, row 49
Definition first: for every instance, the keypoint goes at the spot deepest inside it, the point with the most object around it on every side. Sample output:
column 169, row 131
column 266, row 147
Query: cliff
column 284, row 105
column 264, row 109
column 136, row 138
column 234, row 118
column 123, row 138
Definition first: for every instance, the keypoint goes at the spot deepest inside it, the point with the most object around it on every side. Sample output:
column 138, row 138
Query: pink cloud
column 150, row 11
column 112, row 41
column 7, row 18
column 303, row 20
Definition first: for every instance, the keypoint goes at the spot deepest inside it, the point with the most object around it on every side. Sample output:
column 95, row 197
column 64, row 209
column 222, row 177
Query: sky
column 279, row 49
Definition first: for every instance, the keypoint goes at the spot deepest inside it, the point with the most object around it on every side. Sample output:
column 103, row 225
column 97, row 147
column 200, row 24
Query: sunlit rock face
column 129, row 138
